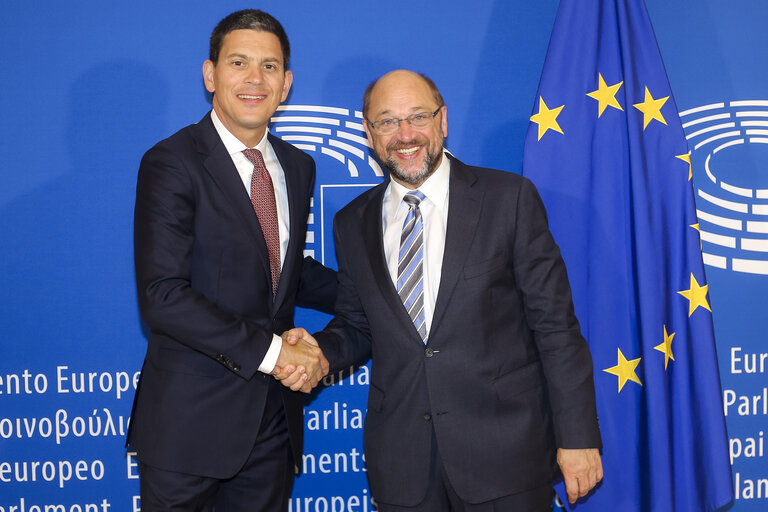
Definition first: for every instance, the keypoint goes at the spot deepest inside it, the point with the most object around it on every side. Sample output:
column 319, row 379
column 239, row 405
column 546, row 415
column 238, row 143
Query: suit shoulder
column 280, row 145
column 504, row 181
column 364, row 198
column 180, row 143
column 354, row 209
column 183, row 137
column 496, row 175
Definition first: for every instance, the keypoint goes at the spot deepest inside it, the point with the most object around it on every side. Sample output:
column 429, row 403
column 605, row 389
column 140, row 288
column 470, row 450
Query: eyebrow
column 239, row 56
column 251, row 59
column 414, row 110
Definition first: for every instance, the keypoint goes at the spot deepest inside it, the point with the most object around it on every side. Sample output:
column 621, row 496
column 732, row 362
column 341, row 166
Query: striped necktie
column 410, row 266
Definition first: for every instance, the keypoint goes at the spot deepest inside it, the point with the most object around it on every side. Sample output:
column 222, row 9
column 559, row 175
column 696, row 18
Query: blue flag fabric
column 607, row 152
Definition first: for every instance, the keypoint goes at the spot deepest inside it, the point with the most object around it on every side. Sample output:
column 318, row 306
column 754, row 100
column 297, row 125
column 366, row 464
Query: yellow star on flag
column 605, row 95
column 698, row 228
column 546, row 118
column 651, row 108
column 666, row 347
column 624, row 370
column 687, row 158
column 696, row 295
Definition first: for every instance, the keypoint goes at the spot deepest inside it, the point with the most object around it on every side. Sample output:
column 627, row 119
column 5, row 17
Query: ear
column 444, row 121
column 368, row 132
column 208, row 68
column 287, row 82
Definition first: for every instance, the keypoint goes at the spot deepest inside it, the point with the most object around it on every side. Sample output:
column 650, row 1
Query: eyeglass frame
column 401, row 119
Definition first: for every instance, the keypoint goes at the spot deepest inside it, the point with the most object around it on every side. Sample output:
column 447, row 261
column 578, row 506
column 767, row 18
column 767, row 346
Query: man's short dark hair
column 431, row 84
column 249, row 19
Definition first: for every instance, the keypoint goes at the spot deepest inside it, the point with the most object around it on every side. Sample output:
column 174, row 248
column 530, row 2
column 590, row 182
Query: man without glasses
column 220, row 223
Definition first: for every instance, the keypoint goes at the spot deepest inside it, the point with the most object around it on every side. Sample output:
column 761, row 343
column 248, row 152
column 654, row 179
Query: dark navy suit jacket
column 204, row 290
column 506, row 377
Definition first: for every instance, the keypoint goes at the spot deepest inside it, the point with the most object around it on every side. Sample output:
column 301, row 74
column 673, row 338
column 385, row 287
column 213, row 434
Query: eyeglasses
column 391, row 124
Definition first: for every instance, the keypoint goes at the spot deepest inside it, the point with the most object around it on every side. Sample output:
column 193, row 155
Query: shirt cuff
column 270, row 359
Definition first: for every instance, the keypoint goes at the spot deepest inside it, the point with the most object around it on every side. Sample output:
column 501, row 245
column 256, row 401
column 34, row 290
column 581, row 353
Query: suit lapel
column 293, row 183
column 373, row 241
column 223, row 172
column 464, row 204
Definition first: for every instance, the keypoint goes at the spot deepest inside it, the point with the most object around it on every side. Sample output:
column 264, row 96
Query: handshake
column 301, row 364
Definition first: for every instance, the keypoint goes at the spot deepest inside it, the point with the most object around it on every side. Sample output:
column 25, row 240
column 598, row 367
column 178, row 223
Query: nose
column 404, row 129
column 255, row 75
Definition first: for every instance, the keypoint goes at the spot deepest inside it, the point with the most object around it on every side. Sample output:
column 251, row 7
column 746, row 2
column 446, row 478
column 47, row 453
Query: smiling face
column 410, row 154
column 249, row 81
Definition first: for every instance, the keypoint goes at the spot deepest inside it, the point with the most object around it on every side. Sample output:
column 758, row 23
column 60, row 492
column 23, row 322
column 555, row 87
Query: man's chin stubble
column 428, row 167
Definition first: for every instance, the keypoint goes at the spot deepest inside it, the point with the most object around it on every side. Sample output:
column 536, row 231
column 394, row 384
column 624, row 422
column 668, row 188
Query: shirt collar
column 232, row 143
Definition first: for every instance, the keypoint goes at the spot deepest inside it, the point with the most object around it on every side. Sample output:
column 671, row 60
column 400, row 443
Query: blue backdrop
column 89, row 86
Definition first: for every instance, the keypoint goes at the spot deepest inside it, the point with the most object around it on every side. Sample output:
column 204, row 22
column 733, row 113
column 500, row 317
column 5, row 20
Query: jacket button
column 429, row 352
column 427, row 416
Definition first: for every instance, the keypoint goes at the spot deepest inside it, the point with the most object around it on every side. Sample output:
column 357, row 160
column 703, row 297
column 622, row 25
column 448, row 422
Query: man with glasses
column 481, row 385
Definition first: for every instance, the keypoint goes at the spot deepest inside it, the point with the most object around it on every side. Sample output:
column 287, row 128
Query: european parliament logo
column 728, row 149
column 345, row 167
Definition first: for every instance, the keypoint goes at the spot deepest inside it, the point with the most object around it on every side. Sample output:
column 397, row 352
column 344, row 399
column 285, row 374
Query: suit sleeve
column 317, row 283
column 567, row 363
column 317, row 286
column 164, row 241
column 346, row 340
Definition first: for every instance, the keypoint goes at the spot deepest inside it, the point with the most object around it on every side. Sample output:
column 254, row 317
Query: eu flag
column 607, row 152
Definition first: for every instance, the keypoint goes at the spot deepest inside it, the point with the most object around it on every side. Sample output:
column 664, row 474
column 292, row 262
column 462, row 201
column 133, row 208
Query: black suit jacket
column 204, row 289
column 506, row 377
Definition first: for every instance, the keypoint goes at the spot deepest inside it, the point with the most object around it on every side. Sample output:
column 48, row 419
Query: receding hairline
column 424, row 78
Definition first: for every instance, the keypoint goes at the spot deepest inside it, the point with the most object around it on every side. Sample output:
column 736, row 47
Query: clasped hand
column 301, row 364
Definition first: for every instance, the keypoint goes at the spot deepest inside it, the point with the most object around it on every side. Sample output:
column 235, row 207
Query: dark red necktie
column 263, row 201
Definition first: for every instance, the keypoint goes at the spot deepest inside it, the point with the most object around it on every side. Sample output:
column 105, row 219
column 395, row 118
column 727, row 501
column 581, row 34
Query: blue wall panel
column 89, row 86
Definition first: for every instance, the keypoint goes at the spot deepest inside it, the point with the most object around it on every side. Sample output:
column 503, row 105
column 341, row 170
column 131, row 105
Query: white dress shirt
column 244, row 168
column 434, row 215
